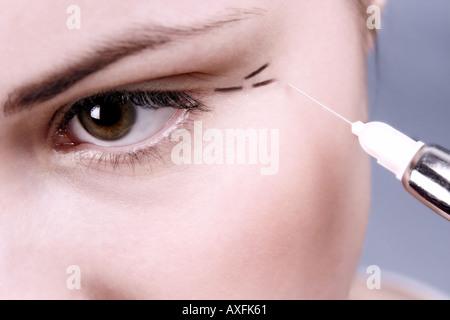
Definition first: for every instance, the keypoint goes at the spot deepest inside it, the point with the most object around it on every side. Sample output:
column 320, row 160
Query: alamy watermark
column 374, row 280
column 374, row 20
column 73, row 22
column 230, row 146
column 74, row 280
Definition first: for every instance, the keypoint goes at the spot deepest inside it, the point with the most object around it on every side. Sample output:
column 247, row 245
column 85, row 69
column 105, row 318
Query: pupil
column 107, row 115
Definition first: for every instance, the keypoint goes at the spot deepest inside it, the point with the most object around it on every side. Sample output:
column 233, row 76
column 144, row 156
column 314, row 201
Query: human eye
column 120, row 126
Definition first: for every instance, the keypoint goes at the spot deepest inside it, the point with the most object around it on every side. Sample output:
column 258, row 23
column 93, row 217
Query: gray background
column 409, row 79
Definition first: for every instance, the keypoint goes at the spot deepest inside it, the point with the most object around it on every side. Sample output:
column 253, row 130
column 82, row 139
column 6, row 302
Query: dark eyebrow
column 131, row 42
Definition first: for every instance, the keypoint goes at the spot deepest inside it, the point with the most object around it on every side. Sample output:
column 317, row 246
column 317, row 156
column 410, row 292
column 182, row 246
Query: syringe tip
column 393, row 149
column 357, row 127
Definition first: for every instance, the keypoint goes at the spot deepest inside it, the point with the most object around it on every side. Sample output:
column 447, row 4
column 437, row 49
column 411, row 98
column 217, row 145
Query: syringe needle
column 319, row 103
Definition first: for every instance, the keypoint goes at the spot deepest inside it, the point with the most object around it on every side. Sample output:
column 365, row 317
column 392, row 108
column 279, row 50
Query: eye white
column 148, row 122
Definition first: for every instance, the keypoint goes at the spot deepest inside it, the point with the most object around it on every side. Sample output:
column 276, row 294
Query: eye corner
column 62, row 140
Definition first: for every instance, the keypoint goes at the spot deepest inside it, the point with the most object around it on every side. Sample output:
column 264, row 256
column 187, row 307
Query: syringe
column 423, row 169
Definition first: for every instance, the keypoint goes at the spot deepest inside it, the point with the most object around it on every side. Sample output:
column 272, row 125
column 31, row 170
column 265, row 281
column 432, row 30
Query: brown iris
column 108, row 118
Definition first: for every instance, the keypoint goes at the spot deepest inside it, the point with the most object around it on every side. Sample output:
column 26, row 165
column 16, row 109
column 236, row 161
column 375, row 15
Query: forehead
column 36, row 24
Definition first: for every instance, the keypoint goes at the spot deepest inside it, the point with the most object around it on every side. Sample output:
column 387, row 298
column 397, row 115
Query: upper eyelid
column 203, row 84
column 67, row 112
column 129, row 88
column 202, row 77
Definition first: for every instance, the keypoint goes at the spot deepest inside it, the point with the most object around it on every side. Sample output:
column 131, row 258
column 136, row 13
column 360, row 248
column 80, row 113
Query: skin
column 194, row 231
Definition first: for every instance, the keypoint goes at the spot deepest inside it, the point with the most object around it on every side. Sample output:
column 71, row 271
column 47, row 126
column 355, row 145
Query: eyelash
column 141, row 99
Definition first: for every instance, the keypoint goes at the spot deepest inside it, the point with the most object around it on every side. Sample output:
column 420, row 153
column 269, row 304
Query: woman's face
column 113, row 184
